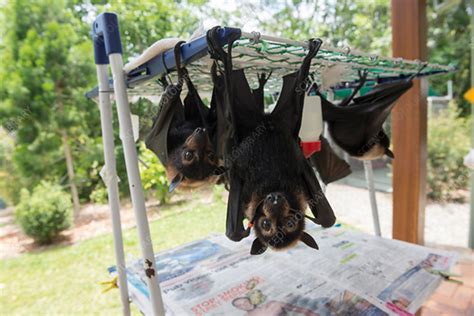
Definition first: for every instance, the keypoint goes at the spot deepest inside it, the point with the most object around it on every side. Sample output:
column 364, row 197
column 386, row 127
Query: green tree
column 44, row 65
column 448, row 42
column 364, row 25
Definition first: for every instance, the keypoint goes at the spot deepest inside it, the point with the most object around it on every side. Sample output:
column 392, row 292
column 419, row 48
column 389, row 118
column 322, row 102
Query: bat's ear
column 257, row 247
column 219, row 170
column 389, row 153
column 175, row 182
column 309, row 241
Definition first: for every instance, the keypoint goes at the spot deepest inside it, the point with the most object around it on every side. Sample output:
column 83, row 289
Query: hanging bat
column 180, row 135
column 270, row 182
column 356, row 125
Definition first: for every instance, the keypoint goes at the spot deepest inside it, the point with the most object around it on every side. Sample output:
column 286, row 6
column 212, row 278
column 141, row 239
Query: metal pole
column 135, row 185
column 369, row 177
column 471, row 222
column 111, row 182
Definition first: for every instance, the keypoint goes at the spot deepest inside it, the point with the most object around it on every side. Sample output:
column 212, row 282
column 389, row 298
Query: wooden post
column 409, row 125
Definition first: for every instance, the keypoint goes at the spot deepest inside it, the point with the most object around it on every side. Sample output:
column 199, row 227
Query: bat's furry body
column 270, row 167
column 270, row 182
column 180, row 136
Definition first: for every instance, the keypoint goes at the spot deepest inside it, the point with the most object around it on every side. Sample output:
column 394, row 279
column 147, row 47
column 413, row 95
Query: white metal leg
column 369, row 176
column 136, row 189
column 111, row 181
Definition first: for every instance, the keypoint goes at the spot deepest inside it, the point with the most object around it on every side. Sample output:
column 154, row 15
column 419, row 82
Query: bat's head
column 278, row 221
column 194, row 161
column 377, row 147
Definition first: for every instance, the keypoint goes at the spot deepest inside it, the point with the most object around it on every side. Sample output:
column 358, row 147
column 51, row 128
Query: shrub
column 448, row 143
column 44, row 213
column 99, row 195
column 218, row 193
column 153, row 176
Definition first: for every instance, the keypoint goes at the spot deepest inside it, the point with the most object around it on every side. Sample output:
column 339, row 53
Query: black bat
column 357, row 125
column 270, row 181
column 180, row 134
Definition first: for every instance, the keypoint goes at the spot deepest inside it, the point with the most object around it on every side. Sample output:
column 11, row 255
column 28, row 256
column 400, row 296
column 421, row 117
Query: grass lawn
column 65, row 279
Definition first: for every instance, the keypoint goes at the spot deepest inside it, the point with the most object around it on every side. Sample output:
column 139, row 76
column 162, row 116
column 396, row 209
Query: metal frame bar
column 369, row 178
column 471, row 220
column 108, row 47
column 111, row 182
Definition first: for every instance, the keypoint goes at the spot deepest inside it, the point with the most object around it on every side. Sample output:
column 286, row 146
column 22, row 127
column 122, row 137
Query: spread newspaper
column 352, row 274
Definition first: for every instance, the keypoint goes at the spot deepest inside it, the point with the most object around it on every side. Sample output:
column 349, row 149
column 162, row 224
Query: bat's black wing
column 379, row 102
column 170, row 110
column 245, row 110
column 216, row 120
column 234, row 229
column 317, row 202
column 328, row 164
column 227, row 132
column 288, row 114
column 194, row 108
column 233, row 88
column 357, row 127
column 289, row 107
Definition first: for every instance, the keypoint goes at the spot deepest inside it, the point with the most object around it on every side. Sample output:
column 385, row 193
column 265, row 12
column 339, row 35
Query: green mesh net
column 282, row 58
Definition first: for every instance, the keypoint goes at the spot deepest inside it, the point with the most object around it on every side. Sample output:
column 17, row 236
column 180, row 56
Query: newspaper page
column 179, row 267
column 352, row 274
column 394, row 272
column 263, row 290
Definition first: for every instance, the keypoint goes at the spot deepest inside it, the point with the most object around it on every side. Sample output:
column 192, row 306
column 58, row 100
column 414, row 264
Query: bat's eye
column 289, row 223
column 266, row 224
column 211, row 156
column 189, row 155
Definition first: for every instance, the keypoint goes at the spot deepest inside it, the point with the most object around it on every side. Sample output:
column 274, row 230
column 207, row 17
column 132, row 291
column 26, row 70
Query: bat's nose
column 200, row 130
column 274, row 198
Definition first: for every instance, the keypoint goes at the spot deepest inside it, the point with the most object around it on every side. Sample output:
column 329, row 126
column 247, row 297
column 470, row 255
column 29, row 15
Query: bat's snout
column 275, row 203
column 274, row 198
column 200, row 130
column 199, row 138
